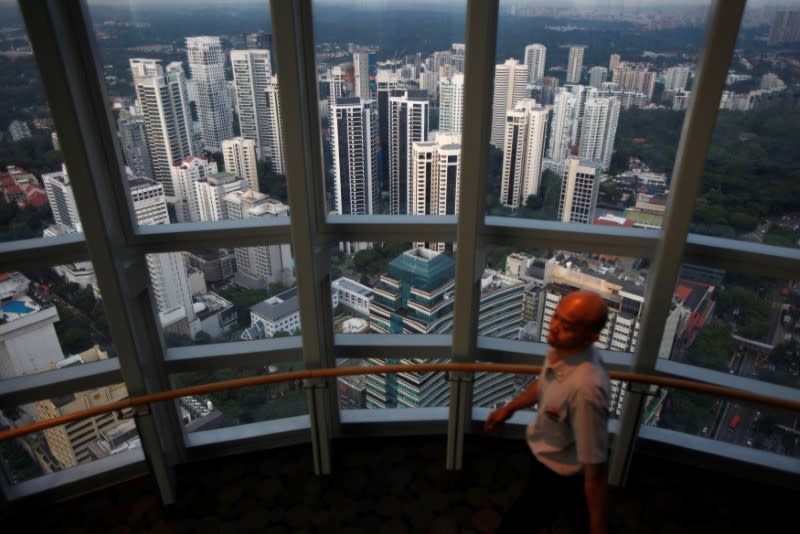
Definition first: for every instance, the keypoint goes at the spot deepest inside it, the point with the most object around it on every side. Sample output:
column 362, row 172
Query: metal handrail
column 699, row 387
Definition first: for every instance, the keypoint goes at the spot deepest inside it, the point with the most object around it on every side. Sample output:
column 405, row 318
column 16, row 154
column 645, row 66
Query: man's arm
column 529, row 397
column 595, row 485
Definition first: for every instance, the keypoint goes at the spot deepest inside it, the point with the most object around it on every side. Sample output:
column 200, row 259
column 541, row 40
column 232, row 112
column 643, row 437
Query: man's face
column 568, row 327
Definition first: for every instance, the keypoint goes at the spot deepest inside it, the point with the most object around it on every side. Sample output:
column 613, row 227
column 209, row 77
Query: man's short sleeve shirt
column 571, row 426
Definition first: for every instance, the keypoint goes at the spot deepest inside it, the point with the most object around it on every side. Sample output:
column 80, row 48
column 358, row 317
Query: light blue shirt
column 571, row 425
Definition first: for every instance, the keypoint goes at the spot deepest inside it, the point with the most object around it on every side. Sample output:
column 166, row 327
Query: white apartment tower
column 613, row 62
column 522, row 153
column 239, row 156
column 575, row 64
column 165, row 107
column 451, row 104
column 579, row 188
column 676, row 78
column 167, row 269
column 355, row 164
column 260, row 265
column 252, row 74
column 62, row 201
column 275, row 139
column 597, row 75
column 599, row 129
column 561, row 125
column 334, row 79
column 211, row 190
column 436, row 179
column 535, row 55
column 207, row 66
column 408, row 124
column 510, row 86
column 184, row 176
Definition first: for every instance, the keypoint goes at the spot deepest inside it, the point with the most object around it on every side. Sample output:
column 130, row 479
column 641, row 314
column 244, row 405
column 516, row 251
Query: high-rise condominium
column 167, row 269
column 239, row 156
column 597, row 75
column 134, row 142
column 207, row 66
column 252, row 73
column 562, row 125
column 451, row 104
column 165, row 107
column 522, row 152
column 575, row 64
column 676, row 78
column 582, row 94
column 184, row 176
column 275, row 139
column 534, row 59
column 61, row 199
column 388, row 83
column 634, row 78
column 260, row 40
column 333, row 83
column 260, row 265
column 599, row 129
column 353, row 140
column 436, row 179
column 408, row 124
column 613, row 62
column 510, row 86
column 211, row 191
column 579, row 188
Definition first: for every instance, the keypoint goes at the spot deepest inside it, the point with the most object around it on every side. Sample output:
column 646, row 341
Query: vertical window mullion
column 698, row 126
column 62, row 38
column 479, row 62
column 293, row 38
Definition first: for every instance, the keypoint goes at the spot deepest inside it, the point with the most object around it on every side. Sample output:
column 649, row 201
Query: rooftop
column 277, row 306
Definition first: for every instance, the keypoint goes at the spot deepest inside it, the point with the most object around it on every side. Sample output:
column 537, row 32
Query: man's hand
column 496, row 418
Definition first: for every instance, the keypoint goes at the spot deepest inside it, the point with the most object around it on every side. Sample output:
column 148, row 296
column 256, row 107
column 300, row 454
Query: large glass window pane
column 240, row 406
column 196, row 104
column 225, row 295
column 75, row 443
column 587, row 111
column 50, row 319
column 749, row 190
column 391, row 90
column 735, row 323
column 725, row 420
column 36, row 198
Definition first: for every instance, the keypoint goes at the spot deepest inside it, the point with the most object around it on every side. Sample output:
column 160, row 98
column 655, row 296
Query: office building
column 364, row 72
column 62, row 201
column 575, row 64
column 260, row 265
column 597, row 75
column 599, row 129
column 580, row 185
column 252, row 74
column 239, row 156
column 134, row 143
column 184, row 176
column 353, row 145
column 523, row 149
column 451, row 104
column 207, row 67
column 535, row 55
column 510, row 86
column 165, row 107
column 408, row 124
column 562, row 126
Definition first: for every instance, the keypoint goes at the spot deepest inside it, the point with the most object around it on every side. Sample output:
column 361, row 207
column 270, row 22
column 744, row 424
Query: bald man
column 569, row 436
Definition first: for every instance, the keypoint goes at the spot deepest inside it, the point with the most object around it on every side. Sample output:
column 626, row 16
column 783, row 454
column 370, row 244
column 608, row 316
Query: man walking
column 569, row 436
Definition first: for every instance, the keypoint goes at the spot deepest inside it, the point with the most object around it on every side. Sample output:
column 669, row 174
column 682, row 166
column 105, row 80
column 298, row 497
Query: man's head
column 577, row 321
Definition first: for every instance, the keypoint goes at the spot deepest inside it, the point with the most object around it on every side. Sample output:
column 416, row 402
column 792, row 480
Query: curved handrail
column 132, row 402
